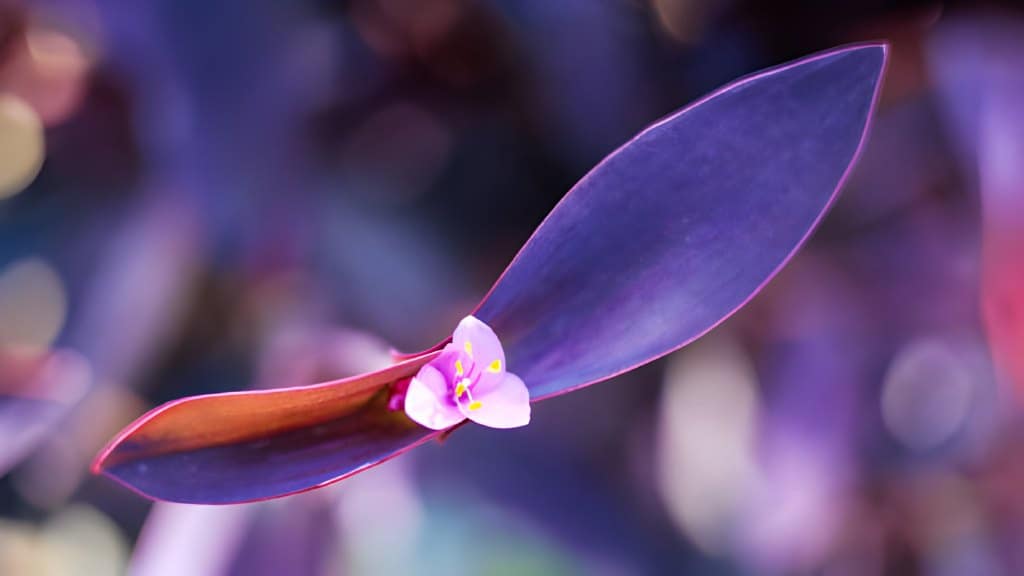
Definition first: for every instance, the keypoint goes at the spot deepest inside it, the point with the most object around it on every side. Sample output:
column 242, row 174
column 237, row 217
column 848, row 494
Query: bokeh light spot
column 706, row 437
column 33, row 305
column 78, row 540
column 927, row 394
column 22, row 145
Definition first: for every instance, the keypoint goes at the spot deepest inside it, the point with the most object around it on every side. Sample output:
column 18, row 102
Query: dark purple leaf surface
column 677, row 229
column 246, row 446
column 280, row 464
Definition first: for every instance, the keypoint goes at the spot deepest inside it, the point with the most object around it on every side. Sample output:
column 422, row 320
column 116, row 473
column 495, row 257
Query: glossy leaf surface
column 245, row 446
column 677, row 229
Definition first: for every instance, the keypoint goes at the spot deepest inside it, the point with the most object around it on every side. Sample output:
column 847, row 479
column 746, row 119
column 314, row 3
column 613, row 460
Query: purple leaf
column 245, row 446
column 663, row 240
column 677, row 229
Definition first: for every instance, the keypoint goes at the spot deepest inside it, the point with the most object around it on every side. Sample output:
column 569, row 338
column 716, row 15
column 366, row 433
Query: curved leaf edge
column 881, row 45
column 99, row 463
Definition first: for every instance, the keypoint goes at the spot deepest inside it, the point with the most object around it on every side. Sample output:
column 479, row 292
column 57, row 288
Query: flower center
column 463, row 388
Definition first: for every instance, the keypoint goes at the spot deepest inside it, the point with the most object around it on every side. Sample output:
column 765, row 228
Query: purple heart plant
column 659, row 243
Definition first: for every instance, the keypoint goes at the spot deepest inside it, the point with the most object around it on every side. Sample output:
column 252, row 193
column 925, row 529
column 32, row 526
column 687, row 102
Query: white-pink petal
column 504, row 406
column 477, row 339
column 426, row 400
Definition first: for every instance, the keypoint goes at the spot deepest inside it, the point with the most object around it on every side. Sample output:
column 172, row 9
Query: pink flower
column 468, row 380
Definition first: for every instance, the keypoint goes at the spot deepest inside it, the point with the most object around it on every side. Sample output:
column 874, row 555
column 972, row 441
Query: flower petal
column 677, row 229
column 450, row 362
column 426, row 400
column 245, row 446
column 503, row 406
column 480, row 342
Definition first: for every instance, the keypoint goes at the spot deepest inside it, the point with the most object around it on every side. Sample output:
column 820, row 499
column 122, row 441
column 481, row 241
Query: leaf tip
column 875, row 54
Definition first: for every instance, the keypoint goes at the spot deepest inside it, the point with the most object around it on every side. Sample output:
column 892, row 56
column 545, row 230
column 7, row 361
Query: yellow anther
column 475, row 405
column 469, row 347
column 494, row 366
column 460, row 389
column 458, row 368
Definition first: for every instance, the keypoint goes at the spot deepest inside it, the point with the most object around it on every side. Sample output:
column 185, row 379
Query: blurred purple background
column 209, row 196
